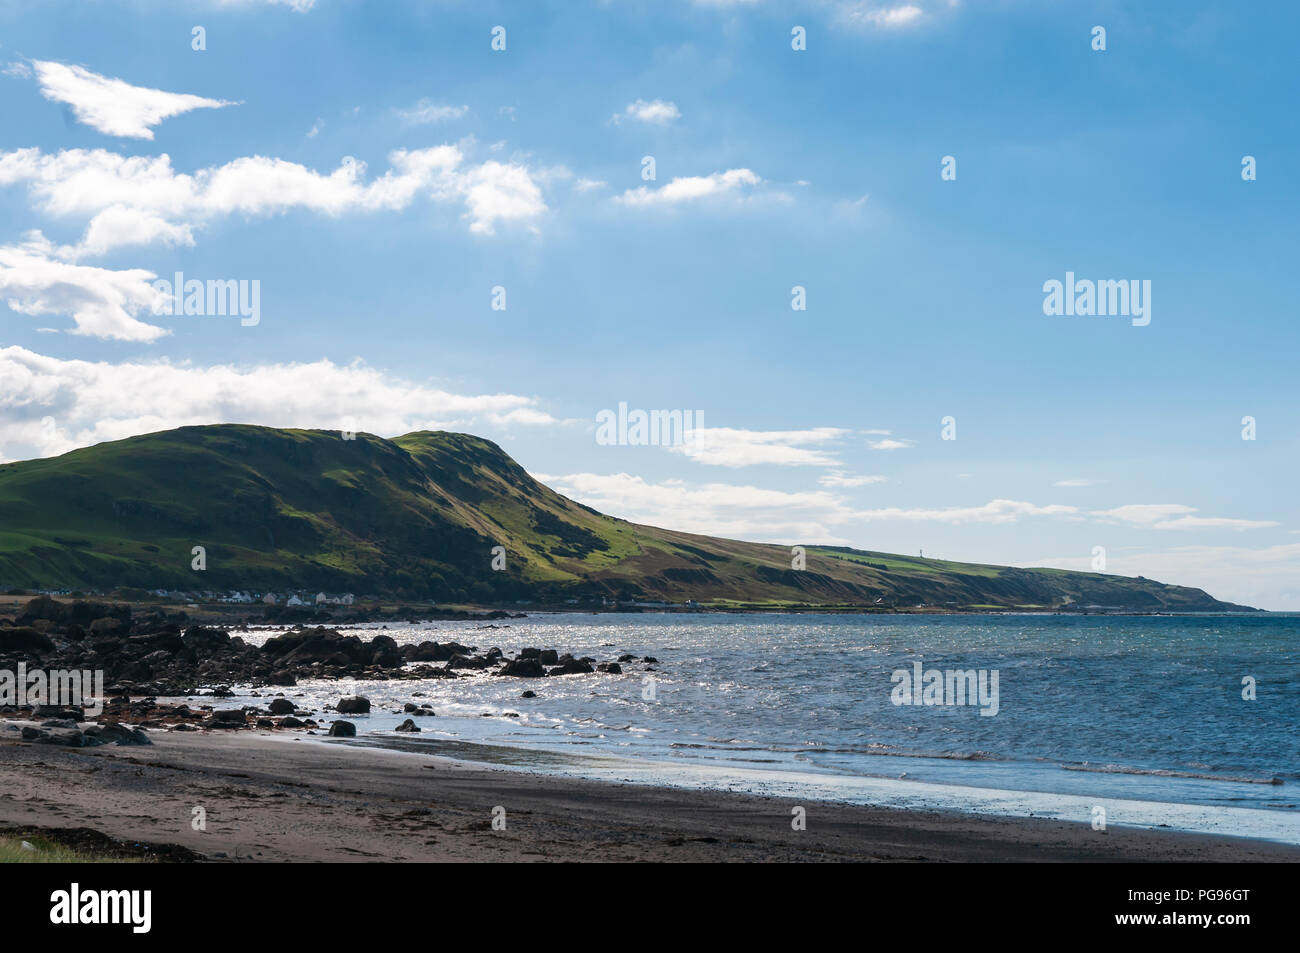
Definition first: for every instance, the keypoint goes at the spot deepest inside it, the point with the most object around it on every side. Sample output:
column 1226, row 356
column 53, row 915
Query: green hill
column 417, row 517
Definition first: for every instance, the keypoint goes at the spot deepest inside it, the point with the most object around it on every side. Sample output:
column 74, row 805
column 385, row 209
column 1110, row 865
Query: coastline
column 271, row 799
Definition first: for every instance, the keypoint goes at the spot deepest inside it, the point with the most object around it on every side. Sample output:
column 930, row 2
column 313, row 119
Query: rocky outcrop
column 355, row 705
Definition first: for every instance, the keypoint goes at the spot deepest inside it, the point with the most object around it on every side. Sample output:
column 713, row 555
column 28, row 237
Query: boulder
column 343, row 729
column 523, row 668
column 355, row 705
column 408, row 725
column 67, row 737
column 469, row 661
column 112, row 733
column 281, row 706
column 571, row 666
column 227, row 718
column 24, row 639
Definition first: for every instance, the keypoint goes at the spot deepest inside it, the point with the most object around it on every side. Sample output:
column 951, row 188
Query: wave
column 1167, row 773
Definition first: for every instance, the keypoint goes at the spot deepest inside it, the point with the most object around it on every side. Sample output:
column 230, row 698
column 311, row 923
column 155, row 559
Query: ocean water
column 1141, row 716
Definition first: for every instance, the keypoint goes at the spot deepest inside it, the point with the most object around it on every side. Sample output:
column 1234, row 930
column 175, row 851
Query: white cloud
column 298, row 6
column 588, row 185
column 1079, row 482
column 49, row 406
column 659, row 112
column 714, row 509
column 1175, row 516
column 80, row 182
column 726, row 447
column 427, row 111
column 496, row 191
column 890, row 443
column 1267, row 577
column 691, row 188
column 882, row 17
column 103, row 303
column 994, row 511
column 112, row 106
column 141, row 200
column 120, row 226
column 838, row 478
column 316, row 128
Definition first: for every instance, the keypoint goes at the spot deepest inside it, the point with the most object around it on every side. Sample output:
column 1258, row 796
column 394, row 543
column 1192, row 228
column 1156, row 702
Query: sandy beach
column 269, row 799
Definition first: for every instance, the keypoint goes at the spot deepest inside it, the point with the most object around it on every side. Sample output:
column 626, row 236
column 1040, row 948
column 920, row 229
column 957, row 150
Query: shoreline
column 272, row 799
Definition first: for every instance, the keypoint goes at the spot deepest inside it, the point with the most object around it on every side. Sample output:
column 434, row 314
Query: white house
column 344, row 600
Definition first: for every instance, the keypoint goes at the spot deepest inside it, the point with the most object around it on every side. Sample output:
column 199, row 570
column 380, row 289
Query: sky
column 447, row 212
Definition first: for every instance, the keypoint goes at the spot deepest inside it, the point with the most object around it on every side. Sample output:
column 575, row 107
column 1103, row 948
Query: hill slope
column 418, row 516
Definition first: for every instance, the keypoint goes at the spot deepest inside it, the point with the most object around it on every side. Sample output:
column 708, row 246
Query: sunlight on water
column 1145, row 708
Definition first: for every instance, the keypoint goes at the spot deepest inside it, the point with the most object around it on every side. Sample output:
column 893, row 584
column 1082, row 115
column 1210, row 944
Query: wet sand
column 268, row 799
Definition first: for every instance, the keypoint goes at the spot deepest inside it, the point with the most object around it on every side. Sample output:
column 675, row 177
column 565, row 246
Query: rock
column 650, row 660
column 523, row 668
column 529, row 694
column 68, row 738
column 69, row 712
column 613, row 668
column 549, row 657
column 24, row 639
column 410, row 707
column 109, row 626
column 469, row 661
column 112, row 733
column 265, row 723
column 571, row 666
column 291, row 722
column 59, row 723
column 530, row 653
column 281, row 706
column 227, row 718
column 408, row 725
column 433, row 652
column 384, row 652
column 343, row 729
column 204, row 642
column 355, row 705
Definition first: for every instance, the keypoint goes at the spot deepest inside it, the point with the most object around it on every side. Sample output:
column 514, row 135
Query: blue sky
column 379, row 169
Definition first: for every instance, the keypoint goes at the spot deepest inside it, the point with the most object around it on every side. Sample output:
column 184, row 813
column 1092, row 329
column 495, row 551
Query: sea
column 1182, row 722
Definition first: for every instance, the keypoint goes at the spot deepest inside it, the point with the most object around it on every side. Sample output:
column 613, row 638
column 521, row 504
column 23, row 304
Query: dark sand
column 278, row 800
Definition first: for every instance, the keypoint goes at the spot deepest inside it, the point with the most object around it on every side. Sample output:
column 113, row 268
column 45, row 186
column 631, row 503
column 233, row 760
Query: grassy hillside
column 417, row 517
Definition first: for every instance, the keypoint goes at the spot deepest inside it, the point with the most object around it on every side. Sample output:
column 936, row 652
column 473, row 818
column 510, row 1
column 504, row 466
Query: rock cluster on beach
column 156, row 653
